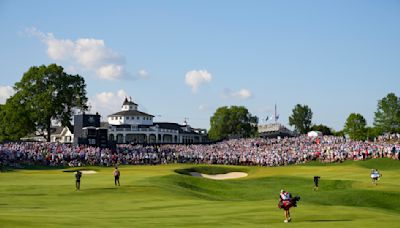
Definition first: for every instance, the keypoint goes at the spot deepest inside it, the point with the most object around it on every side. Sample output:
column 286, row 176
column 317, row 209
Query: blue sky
column 180, row 59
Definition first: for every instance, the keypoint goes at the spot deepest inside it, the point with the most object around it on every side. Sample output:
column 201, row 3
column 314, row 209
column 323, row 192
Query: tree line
column 46, row 93
column 229, row 122
column 386, row 120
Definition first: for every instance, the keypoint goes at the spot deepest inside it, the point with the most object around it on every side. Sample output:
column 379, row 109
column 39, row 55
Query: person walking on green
column 78, row 176
column 316, row 180
column 116, row 176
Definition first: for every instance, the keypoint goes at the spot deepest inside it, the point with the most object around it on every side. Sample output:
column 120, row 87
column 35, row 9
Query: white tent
column 314, row 133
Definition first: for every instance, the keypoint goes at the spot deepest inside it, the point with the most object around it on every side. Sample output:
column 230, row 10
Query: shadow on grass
column 328, row 220
column 43, row 167
column 74, row 169
column 6, row 169
column 371, row 163
column 28, row 194
column 380, row 163
column 318, row 163
column 30, row 167
column 211, row 170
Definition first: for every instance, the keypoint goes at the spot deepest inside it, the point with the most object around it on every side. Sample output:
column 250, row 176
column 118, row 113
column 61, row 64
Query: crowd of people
column 395, row 137
column 252, row 151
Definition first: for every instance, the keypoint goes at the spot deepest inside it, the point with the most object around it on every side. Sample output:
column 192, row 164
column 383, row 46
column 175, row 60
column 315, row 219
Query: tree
column 322, row 128
column 373, row 133
column 387, row 116
column 47, row 93
column 234, row 121
column 301, row 118
column 355, row 127
column 339, row 133
column 14, row 120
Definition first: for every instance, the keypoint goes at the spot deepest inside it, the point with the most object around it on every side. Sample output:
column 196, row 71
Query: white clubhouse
column 133, row 126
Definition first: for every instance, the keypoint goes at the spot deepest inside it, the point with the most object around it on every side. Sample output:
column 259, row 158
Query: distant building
column 126, row 126
column 62, row 135
column 58, row 134
column 133, row 126
column 88, row 130
column 274, row 130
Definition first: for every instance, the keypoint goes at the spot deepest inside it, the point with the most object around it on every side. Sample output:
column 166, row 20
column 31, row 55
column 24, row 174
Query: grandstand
column 274, row 130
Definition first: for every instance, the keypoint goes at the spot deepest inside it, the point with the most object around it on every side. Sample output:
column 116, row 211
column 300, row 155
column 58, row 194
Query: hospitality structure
column 133, row 126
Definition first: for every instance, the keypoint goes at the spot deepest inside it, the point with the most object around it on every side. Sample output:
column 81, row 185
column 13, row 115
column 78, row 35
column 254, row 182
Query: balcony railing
column 113, row 129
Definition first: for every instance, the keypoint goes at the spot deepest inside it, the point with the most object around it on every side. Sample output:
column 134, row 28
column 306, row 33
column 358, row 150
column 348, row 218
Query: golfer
column 375, row 175
column 285, row 204
column 316, row 180
column 116, row 176
column 78, row 176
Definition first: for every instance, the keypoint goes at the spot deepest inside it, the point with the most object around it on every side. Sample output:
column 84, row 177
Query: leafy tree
column 234, row 121
column 322, row 128
column 301, row 118
column 338, row 133
column 47, row 93
column 387, row 116
column 372, row 133
column 355, row 127
column 14, row 120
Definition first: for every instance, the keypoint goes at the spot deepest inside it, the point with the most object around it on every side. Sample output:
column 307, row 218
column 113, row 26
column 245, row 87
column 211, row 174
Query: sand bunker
column 231, row 175
column 88, row 172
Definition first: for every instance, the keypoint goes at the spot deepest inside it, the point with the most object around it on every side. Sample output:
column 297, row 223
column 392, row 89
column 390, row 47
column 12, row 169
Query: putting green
column 154, row 196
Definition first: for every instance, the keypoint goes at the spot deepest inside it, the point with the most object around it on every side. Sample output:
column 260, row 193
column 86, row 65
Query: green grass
column 155, row 196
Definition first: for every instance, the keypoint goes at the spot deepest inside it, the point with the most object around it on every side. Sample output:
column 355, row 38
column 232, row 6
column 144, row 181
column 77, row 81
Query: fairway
column 164, row 196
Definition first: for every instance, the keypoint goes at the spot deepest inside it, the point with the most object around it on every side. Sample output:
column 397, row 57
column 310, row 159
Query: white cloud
column 122, row 94
column 86, row 53
column 243, row 94
column 195, row 78
column 110, row 71
column 107, row 103
column 5, row 93
column 143, row 73
column 204, row 108
column 71, row 69
column 59, row 49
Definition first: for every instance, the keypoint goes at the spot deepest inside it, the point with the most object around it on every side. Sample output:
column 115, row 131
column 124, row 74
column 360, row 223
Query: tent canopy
column 314, row 133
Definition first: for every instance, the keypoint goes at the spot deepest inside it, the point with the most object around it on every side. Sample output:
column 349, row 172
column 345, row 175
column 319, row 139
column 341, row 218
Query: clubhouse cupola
column 130, row 115
column 129, row 105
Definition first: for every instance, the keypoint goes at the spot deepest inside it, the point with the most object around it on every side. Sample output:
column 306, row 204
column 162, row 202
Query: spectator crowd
column 253, row 151
column 395, row 137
